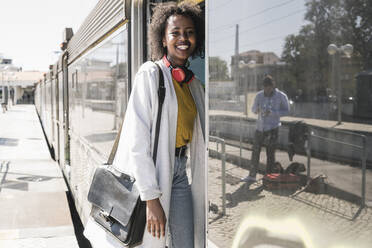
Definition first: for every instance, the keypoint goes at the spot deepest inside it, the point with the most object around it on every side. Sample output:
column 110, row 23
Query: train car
column 43, row 96
column 48, row 106
column 55, row 111
column 37, row 98
column 94, row 80
column 82, row 99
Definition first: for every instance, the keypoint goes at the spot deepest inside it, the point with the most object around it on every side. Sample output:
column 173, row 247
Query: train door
column 40, row 100
column 44, row 102
column 61, row 156
column 56, row 115
column 52, row 113
column 66, row 138
column 197, row 65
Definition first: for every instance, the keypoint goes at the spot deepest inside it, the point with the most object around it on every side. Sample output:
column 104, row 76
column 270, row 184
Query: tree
column 324, row 16
column 329, row 21
column 296, row 49
column 218, row 69
column 357, row 24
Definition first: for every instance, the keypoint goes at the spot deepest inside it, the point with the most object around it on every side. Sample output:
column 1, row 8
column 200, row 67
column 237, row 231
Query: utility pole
column 236, row 61
column 237, row 40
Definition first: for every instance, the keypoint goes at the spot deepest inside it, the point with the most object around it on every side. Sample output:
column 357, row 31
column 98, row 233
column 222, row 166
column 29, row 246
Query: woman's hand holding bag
column 155, row 218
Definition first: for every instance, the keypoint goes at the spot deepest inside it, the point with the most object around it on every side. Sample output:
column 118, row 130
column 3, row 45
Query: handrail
column 338, row 141
column 362, row 147
column 223, row 162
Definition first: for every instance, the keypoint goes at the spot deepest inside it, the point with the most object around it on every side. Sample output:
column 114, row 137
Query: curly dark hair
column 159, row 19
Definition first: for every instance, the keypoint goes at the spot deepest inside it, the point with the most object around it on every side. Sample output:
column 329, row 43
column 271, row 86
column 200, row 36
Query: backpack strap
column 161, row 95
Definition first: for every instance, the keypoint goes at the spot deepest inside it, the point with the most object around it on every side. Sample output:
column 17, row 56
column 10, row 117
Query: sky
column 263, row 25
column 31, row 30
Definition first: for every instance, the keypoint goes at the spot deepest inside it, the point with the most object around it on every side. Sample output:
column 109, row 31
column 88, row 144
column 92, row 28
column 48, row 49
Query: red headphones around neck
column 180, row 74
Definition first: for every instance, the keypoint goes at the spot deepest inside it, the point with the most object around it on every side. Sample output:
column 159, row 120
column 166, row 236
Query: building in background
column 24, row 86
column 16, row 86
column 252, row 67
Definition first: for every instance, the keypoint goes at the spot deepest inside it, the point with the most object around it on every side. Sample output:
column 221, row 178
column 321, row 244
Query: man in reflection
column 269, row 104
column 4, row 102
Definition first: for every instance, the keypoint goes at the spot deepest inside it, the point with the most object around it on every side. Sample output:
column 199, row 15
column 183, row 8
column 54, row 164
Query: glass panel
column 319, row 55
column 98, row 93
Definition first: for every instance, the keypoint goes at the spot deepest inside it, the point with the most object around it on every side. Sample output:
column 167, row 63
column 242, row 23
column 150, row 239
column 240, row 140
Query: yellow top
column 186, row 114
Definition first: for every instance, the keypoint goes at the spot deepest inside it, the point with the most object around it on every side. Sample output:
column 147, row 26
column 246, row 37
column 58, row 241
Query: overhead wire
column 274, row 20
column 258, row 26
column 254, row 43
column 253, row 15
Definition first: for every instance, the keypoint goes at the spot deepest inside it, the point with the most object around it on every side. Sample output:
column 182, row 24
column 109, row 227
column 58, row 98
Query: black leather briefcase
column 117, row 206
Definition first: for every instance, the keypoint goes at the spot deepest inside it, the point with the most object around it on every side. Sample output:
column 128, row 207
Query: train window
column 74, row 81
column 290, row 123
column 98, row 93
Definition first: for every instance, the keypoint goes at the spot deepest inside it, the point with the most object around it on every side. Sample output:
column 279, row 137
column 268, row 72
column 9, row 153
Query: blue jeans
column 271, row 138
column 181, row 217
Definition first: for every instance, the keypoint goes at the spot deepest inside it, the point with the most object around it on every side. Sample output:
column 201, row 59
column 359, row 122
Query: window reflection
column 319, row 55
column 98, row 93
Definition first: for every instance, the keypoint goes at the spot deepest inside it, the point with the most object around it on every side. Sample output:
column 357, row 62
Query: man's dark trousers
column 270, row 139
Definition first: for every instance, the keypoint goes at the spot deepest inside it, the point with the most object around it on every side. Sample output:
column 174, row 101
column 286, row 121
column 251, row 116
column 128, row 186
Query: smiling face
column 179, row 39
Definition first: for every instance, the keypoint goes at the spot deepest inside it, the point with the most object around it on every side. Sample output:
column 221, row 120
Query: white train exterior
column 82, row 99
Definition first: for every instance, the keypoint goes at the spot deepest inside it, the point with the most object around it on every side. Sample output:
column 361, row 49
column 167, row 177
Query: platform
column 33, row 193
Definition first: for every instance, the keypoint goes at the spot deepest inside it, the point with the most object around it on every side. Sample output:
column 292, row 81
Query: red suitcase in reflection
column 277, row 181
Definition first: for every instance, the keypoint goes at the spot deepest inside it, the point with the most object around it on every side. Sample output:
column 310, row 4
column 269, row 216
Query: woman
column 176, row 33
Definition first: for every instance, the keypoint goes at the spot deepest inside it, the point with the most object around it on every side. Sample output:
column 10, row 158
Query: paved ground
column 33, row 201
column 341, row 176
column 35, row 210
column 284, row 219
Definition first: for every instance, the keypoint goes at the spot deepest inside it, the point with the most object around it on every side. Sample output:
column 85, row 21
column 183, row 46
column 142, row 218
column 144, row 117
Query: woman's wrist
column 152, row 201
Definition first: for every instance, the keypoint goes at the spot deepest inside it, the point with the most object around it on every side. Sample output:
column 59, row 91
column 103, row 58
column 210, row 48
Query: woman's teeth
column 183, row 47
